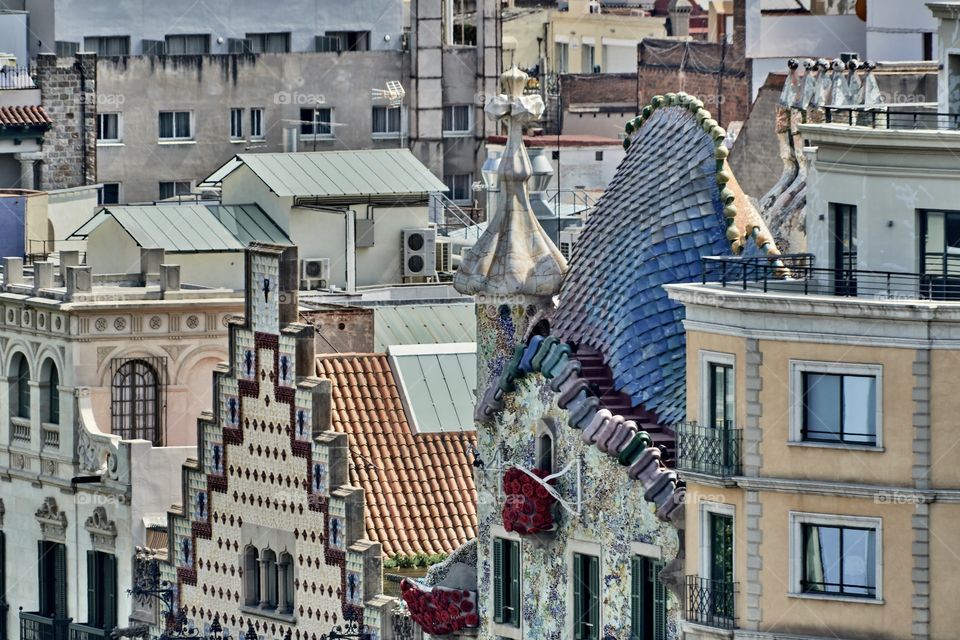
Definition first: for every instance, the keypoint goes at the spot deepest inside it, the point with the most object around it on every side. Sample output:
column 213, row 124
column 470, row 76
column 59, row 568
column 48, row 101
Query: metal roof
column 437, row 384
column 339, row 174
column 424, row 324
column 185, row 228
column 215, row 178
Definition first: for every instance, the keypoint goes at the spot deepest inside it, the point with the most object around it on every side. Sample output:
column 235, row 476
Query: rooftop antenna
column 393, row 94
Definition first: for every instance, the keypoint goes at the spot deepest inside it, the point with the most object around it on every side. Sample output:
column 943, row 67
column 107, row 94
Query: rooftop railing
column 892, row 118
column 795, row 274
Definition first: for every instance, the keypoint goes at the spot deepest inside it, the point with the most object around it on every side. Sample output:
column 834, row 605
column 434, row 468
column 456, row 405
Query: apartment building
column 821, row 491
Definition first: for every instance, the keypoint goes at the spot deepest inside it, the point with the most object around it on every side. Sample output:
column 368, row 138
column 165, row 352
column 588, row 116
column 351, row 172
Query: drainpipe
column 351, row 257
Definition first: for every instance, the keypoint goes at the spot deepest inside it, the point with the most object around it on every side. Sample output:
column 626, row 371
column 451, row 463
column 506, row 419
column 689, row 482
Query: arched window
column 20, row 387
column 49, row 394
column 135, row 407
column 285, row 583
column 251, row 577
column 268, row 579
column 545, row 452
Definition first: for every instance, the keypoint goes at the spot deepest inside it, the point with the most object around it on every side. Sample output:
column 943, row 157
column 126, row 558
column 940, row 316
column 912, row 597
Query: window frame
column 101, row 40
column 191, row 137
column 704, row 560
column 256, row 132
column 452, row 187
column 259, row 41
column 509, row 584
column 577, row 553
column 638, row 617
column 317, row 120
column 101, row 141
column 101, row 201
column 167, row 37
column 798, row 519
column 101, row 590
column 120, row 414
column 174, row 183
column 236, row 124
column 797, row 408
column 457, row 133
column 20, row 387
column 388, row 134
column 707, row 359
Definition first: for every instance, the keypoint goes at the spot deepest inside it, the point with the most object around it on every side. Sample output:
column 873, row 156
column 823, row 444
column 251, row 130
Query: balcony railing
column 15, row 78
column 709, row 450
column 85, row 632
column 885, row 118
column 711, row 602
column 34, row 626
column 795, row 274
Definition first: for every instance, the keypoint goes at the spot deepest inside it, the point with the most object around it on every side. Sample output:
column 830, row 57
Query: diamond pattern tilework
column 658, row 216
column 419, row 490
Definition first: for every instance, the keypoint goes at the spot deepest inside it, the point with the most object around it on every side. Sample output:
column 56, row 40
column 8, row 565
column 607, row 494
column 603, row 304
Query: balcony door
column 721, row 563
column 940, row 250
column 844, row 249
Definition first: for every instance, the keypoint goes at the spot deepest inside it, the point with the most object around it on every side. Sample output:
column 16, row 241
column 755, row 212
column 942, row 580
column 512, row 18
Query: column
column 265, row 586
column 282, row 569
column 27, row 161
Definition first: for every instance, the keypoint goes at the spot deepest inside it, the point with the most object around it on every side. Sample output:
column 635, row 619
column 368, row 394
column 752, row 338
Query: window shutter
column 42, row 579
column 659, row 603
column 577, row 599
column 594, row 597
column 109, row 591
column 60, row 580
column 515, row 583
column 93, row 611
column 637, row 579
column 497, row 580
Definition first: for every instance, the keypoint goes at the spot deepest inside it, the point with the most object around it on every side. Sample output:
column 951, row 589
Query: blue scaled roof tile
column 660, row 214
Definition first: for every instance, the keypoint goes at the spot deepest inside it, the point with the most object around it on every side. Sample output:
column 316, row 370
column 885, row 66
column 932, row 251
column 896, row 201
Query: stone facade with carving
column 65, row 337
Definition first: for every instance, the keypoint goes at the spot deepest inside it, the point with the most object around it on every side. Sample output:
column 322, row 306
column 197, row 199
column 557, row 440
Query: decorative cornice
column 103, row 531
column 53, row 522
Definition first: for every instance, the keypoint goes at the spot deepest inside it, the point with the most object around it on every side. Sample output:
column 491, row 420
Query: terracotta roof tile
column 26, row 116
column 419, row 489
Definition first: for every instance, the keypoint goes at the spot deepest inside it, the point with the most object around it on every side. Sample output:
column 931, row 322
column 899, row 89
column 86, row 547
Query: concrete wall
column 895, row 28
column 110, row 249
column 209, row 86
column 13, row 36
column 68, row 209
column 621, row 33
column 13, row 226
column 141, row 19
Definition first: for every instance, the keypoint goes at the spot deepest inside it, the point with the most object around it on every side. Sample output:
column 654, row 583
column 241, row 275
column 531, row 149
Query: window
column 386, row 121
column 108, row 127
column 251, row 577
column 587, row 58
column 460, row 186
column 927, row 45
column 52, row 570
column 721, row 406
column 176, row 125
column 256, row 124
column 648, row 600
column 940, row 248
column 101, row 590
column 506, row 581
column 65, row 49
column 561, row 57
column 836, row 556
column 173, row 189
column 844, row 217
column 716, row 562
column 268, row 579
column 545, row 452
column 316, row 122
column 839, row 408
column 269, row 42
column 136, row 402
column 109, row 193
column 337, row 41
column 598, row 156
column 191, row 44
column 50, row 381
column 586, row 597
column 20, row 387
column 107, row 45
column 285, row 583
column 236, row 124
column 456, row 118
column 239, row 45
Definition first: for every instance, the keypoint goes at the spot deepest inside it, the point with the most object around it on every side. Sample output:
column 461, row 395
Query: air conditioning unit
column 568, row 238
column 444, row 253
column 419, row 253
column 314, row 273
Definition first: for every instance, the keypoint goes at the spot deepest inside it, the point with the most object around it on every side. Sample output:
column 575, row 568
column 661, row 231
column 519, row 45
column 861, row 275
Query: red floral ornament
column 440, row 610
column 528, row 507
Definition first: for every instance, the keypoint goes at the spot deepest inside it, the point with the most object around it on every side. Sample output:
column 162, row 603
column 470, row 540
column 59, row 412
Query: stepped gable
column 420, row 492
column 271, row 475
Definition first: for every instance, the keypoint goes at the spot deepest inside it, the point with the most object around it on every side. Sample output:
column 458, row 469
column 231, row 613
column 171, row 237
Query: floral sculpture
column 440, row 610
column 529, row 506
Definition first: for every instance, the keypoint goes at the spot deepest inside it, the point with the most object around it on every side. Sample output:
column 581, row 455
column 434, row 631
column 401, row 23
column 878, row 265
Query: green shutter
column 659, row 603
column 497, row 580
column 594, row 598
column 93, row 617
column 109, row 591
column 577, row 599
column 60, row 580
column 637, row 579
column 515, row 583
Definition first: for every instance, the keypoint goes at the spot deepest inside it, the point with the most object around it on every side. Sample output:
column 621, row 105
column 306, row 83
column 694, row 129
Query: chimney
column 12, row 271
column 290, row 140
column 68, row 259
column 42, row 276
column 150, row 261
column 78, row 280
column 680, row 17
column 169, row 277
column 289, row 282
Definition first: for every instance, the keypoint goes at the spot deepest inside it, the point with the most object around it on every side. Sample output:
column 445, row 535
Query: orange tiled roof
column 30, row 115
column 419, row 489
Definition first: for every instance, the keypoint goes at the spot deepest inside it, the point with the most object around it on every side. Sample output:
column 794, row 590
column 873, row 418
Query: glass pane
column 166, row 125
column 860, row 409
column 821, row 571
column 721, row 547
column 182, row 124
column 324, row 119
column 394, row 118
column 859, row 562
column 821, row 404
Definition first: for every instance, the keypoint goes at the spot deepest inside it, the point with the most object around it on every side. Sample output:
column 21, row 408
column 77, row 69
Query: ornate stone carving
column 102, row 353
column 173, row 349
column 53, row 522
column 103, row 531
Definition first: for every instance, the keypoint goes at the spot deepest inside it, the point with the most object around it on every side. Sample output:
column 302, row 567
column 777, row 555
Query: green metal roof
column 215, row 178
column 424, row 324
column 185, row 228
column 338, row 174
column 437, row 384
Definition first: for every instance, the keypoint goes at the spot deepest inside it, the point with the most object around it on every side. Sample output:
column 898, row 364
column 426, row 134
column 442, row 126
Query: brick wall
column 755, row 157
column 68, row 88
column 346, row 330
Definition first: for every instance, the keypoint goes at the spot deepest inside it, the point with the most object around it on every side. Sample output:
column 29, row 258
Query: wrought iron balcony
column 711, row 602
column 34, row 626
column 86, row 632
column 795, row 274
column 709, row 450
column 887, row 117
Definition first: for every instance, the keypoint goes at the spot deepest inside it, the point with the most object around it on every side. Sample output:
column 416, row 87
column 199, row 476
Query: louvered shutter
column 109, row 579
column 93, row 611
column 60, row 580
column 42, row 580
column 637, row 580
column 594, row 598
column 497, row 580
column 659, row 603
column 515, row 583
column 577, row 598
